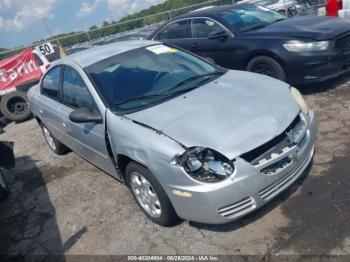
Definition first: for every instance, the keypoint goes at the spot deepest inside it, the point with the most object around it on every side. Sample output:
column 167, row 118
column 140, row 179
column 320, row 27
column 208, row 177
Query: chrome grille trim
column 237, row 208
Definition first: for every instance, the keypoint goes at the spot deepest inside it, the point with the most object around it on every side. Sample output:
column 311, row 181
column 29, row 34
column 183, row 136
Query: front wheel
column 150, row 195
column 265, row 65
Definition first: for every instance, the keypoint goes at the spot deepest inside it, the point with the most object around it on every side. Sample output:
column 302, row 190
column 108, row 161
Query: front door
column 86, row 139
column 221, row 50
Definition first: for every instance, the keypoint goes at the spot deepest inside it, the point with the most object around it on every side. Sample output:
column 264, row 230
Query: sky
column 22, row 21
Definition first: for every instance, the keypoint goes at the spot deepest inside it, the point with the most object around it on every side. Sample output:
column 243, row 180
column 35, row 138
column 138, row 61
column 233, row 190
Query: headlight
column 299, row 46
column 205, row 165
column 299, row 98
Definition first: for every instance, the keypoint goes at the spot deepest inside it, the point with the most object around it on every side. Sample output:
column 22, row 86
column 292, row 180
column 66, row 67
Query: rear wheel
column 265, row 65
column 55, row 145
column 150, row 195
column 15, row 107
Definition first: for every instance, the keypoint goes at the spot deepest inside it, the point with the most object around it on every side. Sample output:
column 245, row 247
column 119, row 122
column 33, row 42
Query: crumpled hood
column 233, row 114
column 313, row 27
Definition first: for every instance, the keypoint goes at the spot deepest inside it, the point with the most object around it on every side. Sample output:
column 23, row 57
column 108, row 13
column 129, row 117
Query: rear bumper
column 245, row 192
column 306, row 68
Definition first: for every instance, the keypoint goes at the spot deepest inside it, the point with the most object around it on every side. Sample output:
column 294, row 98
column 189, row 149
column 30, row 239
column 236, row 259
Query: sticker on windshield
column 161, row 49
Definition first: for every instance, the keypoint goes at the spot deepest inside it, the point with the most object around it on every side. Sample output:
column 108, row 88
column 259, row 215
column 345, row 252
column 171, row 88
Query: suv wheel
column 150, row 195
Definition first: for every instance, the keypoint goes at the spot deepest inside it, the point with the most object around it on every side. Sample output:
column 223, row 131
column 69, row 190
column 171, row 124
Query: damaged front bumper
column 250, row 187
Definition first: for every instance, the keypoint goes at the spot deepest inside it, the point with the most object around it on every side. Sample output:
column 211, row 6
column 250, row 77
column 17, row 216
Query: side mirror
column 222, row 34
column 84, row 115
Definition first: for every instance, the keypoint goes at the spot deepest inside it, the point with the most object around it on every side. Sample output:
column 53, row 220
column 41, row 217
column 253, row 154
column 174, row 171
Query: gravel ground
column 62, row 204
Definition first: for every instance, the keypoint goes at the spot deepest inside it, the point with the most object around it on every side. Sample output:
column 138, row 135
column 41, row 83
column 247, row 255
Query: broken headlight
column 206, row 165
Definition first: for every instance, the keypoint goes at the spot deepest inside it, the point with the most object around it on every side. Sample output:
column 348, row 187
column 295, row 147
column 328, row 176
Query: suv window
column 74, row 91
column 51, row 83
column 179, row 29
column 201, row 27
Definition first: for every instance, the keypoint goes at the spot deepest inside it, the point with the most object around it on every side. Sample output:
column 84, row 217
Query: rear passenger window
column 74, row 91
column 176, row 30
column 51, row 83
column 201, row 27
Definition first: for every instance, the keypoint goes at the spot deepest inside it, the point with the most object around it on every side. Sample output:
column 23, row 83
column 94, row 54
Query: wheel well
column 268, row 54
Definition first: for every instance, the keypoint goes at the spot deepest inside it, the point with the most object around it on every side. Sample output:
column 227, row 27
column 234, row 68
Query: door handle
column 195, row 46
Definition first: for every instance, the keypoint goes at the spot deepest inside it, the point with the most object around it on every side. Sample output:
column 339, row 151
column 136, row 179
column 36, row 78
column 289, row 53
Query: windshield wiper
column 192, row 79
column 167, row 93
column 138, row 98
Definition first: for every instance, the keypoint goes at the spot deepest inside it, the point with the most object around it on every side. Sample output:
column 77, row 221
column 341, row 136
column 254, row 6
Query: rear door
column 176, row 33
column 86, row 139
column 50, row 107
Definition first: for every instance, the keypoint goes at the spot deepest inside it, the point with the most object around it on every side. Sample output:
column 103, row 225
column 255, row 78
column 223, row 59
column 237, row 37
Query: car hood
column 233, row 114
column 314, row 27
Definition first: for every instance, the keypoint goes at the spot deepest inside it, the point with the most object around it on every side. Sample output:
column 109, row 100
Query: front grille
column 237, row 208
column 277, row 145
column 277, row 166
column 343, row 43
column 275, row 188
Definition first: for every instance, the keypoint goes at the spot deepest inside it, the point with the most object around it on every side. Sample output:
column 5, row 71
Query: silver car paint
column 237, row 103
column 251, row 109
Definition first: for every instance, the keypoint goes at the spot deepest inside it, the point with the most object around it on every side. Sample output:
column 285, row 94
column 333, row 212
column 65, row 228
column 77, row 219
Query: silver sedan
column 190, row 139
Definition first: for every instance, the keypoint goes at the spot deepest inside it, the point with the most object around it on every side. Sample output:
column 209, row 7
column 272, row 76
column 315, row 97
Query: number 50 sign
column 45, row 49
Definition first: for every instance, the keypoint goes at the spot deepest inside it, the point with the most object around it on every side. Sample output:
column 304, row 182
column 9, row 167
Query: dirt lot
column 65, row 205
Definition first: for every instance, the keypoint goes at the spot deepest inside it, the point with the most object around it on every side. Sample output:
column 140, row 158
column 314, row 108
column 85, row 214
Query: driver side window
column 202, row 27
column 74, row 91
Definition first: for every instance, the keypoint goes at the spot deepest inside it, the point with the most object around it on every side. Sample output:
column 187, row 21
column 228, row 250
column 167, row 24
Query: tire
column 164, row 212
column 56, row 146
column 267, row 66
column 4, row 191
column 15, row 107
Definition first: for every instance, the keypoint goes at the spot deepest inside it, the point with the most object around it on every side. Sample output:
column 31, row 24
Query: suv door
column 221, row 50
column 86, row 139
column 176, row 33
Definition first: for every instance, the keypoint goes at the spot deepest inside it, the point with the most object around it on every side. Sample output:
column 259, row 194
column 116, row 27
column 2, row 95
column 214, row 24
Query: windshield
column 143, row 77
column 250, row 17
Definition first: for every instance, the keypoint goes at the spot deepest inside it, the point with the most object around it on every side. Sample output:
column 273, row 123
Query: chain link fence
column 116, row 31
column 293, row 7
column 142, row 27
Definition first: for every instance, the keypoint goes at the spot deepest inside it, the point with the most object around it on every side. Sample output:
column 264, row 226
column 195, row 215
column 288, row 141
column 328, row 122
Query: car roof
column 210, row 11
column 95, row 54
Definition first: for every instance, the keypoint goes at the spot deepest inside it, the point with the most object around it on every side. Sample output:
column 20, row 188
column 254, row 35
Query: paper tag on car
column 160, row 49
